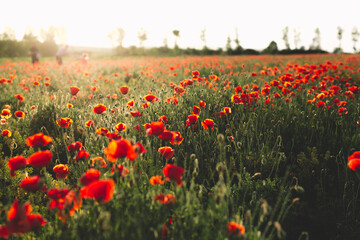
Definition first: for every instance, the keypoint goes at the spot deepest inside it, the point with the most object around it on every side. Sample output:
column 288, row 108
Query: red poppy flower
column 98, row 159
column 167, row 135
column 131, row 103
column 235, row 228
column 124, row 89
column 155, row 128
column 6, row 133
column 76, row 146
column 122, row 170
column 166, row 200
column 163, row 119
column 61, row 170
column 16, row 163
column 321, row 104
column 196, row 110
column 19, row 114
column 38, row 140
column 120, row 127
column 177, row 139
column 208, row 123
column 202, row 103
column 227, row 110
column 238, row 89
column 89, row 176
column 40, row 159
column 113, row 135
column 192, row 119
column 135, row 113
column 102, row 131
column 342, row 111
column 151, row 98
column 167, row 152
column 64, row 122
column 173, row 172
column 101, row 190
column 119, row 149
column 31, row 184
column 354, row 161
column 154, row 180
column 99, row 109
column 19, row 97
column 74, row 90
column 81, row 155
column 69, row 105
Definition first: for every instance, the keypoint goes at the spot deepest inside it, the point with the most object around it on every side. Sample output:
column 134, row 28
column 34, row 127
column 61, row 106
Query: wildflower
column 124, row 89
column 74, row 90
column 196, row 110
column 81, row 155
column 5, row 113
column 145, row 105
column 235, row 228
column 354, row 161
column 154, row 180
column 89, row 176
column 156, row 128
column 173, row 172
column 69, row 105
column 321, row 104
column 208, row 123
column 99, row 109
column 19, row 97
column 40, row 159
column 192, row 119
column 342, row 111
column 122, row 170
column 89, row 123
column 119, row 149
column 61, row 170
column 100, row 159
column 100, row 190
column 65, row 201
column 120, row 127
column 167, row 152
column 135, row 113
column 167, row 135
column 102, row 131
column 113, row 135
column 38, row 140
column 131, row 103
column 19, row 114
column 76, row 146
column 166, row 200
column 177, row 138
column 202, row 103
column 31, row 184
column 64, row 122
column 163, row 119
column 16, row 163
column 151, row 98
column 6, row 133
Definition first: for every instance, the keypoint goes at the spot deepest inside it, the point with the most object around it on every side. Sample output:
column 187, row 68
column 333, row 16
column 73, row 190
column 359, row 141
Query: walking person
column 34, row 53
column 60, row 53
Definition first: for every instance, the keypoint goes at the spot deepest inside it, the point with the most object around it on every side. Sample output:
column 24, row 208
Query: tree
column 238, row 48
column 48, row 37
column 177, row 36
column 285, row 37
column 355, row 37
column 228, row 48
column 142, row 36
column 271, row 49
column 315, row 45
column 117, row 36
column 203, row 36
column 297, row 39
column 8, row 34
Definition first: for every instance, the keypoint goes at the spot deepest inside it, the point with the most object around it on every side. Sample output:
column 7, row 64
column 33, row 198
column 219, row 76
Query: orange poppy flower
column 47, row 84
column 98, row 159
column 99, row 109
column 192, row 119
column 89, row 176
column 145, row 105
column 6, row 133
column 40, row 159
column 64, row 122
column 354, row 161
column 69, row 105
column 167, row 152
column 16, row 163
column 102, row 131
column 19, row 97
column 151, row 98
column 227, row 110
column 154, row 180
column 130, row 103
column 202, row 103
column 19, row 114
column 119, row 149
column 173, row 172
column 208, row 123
column 177, row 139
column 235, row 228
column 38, row 140
column 76, row 146
column 31, row 184
column 89, row 123
column 166, row 200
column 120, row 127
column 5, row 113
column 124, row 89
column 163, row 118
column 100, row 191
column 74, row 90
column 61, row 170
column 196, row 110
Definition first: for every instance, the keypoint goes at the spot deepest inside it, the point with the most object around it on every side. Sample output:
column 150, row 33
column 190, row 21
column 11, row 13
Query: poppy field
column 220, row 147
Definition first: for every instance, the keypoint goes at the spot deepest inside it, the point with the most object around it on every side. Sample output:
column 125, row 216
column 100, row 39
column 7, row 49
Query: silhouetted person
column 60, row 53
column 34, row 53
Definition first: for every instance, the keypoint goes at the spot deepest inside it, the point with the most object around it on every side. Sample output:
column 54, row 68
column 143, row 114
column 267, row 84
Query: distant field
column 245, row 147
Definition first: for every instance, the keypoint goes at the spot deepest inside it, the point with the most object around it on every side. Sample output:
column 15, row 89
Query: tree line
column 49, row 39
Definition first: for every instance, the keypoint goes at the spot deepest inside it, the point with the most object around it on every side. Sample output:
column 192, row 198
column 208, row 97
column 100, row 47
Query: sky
column 258, row 22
